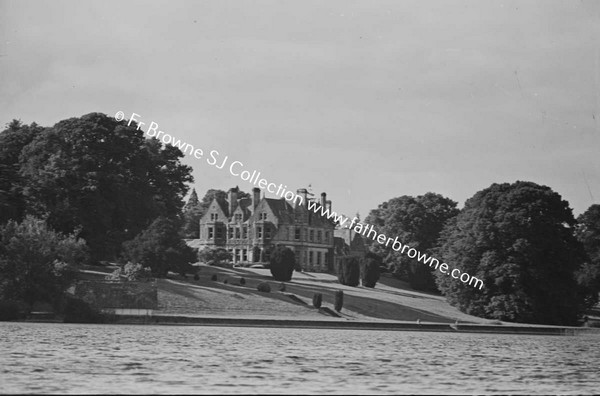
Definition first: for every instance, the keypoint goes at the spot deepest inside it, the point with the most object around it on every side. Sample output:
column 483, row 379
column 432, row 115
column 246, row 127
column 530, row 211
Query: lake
column 70, row 358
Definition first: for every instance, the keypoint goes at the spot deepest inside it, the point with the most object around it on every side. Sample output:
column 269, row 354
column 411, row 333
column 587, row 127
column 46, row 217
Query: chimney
column 232, row 198
column 255, row 197
column 328, row 205
column 303, row 193
column 323, row 199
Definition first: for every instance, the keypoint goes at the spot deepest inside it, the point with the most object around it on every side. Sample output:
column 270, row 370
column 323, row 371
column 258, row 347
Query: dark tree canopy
column 517, row 238
column 214, row 255
column 283, row 262
column 36, row 263
column 160, row 248
column 588, row 233
column 349, row 271
column 103, row 177
column 417, row 222
column 12, row 141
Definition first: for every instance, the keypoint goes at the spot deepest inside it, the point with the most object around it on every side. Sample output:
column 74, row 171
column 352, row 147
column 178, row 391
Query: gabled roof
column 281, row 209
column 223, row 205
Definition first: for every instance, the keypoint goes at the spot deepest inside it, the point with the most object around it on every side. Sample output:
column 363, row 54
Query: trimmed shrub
column 317, row 300
column 242, row 281
column 282, row 287
column 349, row 272
column 282, row 263
column 196, row 277
column 214, row 277
column 370, row 269
column 225, row 281
column 264, row 287
column 339, row 300
column 78, row 311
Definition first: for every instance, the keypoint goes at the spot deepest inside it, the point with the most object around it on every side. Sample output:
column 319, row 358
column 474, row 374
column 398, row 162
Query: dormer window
column 214, row 216
column 262, row 216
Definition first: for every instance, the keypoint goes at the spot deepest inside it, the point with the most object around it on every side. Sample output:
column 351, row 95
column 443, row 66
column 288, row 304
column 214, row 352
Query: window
column 210, row 233
column 310, row 257
column 219, row 231
column 244, row 255
column 237, row 232
column 319, row 236
column 262, row 216
column 297, row 234
column 237, row 217
column 318, row 258
column 259, row 232
column 214, row 216
column 244, row 231
column 267, row 232
column 230, row 233
column 312, row 235
column 326, row 236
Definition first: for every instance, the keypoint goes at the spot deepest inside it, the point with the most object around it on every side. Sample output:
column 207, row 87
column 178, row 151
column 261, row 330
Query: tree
column 214, row 255
column 283, row 262
column 192, row 213
column 370, row 269
column 349, row 271
column 103, row 176
column 588, row 233
column 160, row 248
column 518, row 239
column 37, row 263
column 417, row 222
column 12, row 141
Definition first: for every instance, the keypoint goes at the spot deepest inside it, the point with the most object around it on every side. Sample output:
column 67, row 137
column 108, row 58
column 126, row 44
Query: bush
column 282, row 263
column 370, row 269
column 214, row 256
column 225, row 281
column 160, row 248
column 131, row 272
column 264, row 287
column 10, row 310
column 317, row 300
column 196, row 277
column 349, row 272
column 214, row 277
column 78, row 311
column 339, row 300
column 282, row 287
column 242, row 281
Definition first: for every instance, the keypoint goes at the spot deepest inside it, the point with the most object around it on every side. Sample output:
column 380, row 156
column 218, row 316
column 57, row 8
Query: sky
column 364, row 100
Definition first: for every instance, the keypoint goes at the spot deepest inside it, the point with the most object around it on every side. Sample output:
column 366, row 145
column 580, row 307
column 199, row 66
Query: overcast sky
column 364, row 100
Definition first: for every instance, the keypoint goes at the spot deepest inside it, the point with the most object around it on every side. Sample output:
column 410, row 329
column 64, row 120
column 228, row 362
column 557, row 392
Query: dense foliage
column 338, row 300
column 91, row 173
column 588, row 233
column 160, row 248
column 36, row 263
column 417, row 222
column 282, row 263
column 517, row 238
column 349, row 271
column 213, row 255
column 370, row 269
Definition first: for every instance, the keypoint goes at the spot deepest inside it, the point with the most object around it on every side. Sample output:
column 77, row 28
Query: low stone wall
column 114, row 294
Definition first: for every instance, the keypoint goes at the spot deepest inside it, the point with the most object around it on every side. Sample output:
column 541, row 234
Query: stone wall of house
column 115, row 294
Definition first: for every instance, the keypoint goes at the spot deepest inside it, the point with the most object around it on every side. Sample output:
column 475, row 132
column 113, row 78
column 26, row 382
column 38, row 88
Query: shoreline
column 182, row 320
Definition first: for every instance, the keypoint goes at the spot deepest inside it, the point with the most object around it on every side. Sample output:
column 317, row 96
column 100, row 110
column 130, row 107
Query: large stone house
column 250, row 228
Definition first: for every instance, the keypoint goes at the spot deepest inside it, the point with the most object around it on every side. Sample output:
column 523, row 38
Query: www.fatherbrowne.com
column 294, row 198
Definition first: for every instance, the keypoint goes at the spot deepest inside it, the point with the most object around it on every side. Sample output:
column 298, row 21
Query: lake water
column 68, row 358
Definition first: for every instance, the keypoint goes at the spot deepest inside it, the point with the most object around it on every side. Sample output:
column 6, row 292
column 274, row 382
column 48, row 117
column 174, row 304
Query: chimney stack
column 323, row 199
column 303, row 193
column 232, row 198
column 328, row 205
column 255, row 197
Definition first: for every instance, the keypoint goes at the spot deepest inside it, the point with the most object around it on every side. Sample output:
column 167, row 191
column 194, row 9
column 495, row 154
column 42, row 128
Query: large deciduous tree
column 588, row 233
column 417, row 222
column 103, row 176
column 517, row 238
column 36, row 263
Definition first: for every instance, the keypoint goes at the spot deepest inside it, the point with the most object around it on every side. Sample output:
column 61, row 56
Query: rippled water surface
column 66, row 358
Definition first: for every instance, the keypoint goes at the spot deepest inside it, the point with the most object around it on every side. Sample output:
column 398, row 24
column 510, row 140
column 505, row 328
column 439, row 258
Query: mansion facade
column 250, row 228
